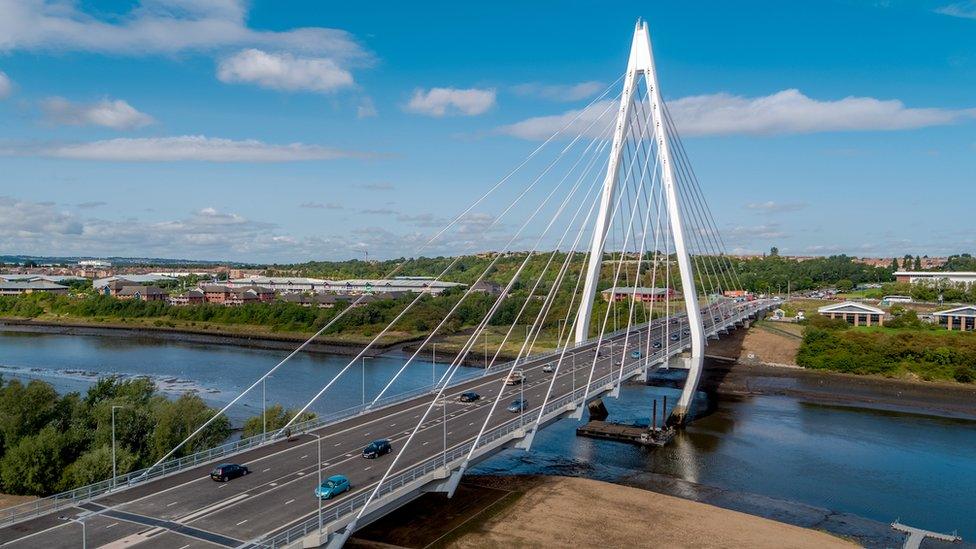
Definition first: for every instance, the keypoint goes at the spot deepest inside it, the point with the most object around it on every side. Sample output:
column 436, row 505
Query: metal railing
column 454, row 456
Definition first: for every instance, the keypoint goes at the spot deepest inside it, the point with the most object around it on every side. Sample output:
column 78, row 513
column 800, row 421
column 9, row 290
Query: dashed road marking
column 111, row 525
column 303, row 457
column 266, row 470
column 274, row 484
column 242, row 522
column 289, row 501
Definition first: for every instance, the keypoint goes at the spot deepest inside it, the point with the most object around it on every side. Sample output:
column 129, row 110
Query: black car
column 657, row 345
column 674, row 337
column 470, row 396
column 377, row 448
column 228, row 471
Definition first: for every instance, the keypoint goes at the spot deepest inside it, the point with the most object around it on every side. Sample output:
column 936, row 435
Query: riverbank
column 284, row 342
column 941, row 399
column 546, row 511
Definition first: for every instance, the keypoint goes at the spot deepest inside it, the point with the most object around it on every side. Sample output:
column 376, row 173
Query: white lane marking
column 266, row 470
column 185, row 546
column 303, row 457
column 171, row 504
column 212, row 508
column 393, row 425
column 290, row 501
column 111, row 525
column 274, row 484
column 242, row 522
column 367, row 468
column 336, row 444
column 300, row 473
column 426, row 443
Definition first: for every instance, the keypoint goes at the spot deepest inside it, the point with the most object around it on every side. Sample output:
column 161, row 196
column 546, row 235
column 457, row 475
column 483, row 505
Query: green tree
column 917, row 266
column 175, row 420
column 894, row 264
column 845, row 285
column 96, row 465
column 774, row 252
column 277, row 418
column 34, row 465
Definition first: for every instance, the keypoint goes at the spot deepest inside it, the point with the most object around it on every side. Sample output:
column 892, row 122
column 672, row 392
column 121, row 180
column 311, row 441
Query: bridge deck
column 275, row 503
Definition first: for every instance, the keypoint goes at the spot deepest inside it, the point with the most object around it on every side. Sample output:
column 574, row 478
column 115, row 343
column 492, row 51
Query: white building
column 282, row 284
column 135, row 279
column 934, row 277
column 858, row 314
column 960, row 318
column 97, row 263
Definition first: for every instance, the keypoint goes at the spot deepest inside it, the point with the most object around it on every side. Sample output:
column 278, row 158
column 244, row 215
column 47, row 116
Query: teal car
column 332, row 487
column 635, row 354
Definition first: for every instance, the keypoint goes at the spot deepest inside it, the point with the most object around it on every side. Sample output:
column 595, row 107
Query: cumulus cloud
column 773, row 207
column 784, row 112
column 321, row 206
column 6, row 86
column 366, row 108
column 115, row 114
column 966, row 10
column 181, row 148
column 159, row 27
column 559, row 92
column 443, row 101
column 283, row 71
column 90, row 205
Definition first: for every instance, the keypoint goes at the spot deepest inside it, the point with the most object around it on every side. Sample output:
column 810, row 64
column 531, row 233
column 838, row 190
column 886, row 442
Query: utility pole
column 84, row 530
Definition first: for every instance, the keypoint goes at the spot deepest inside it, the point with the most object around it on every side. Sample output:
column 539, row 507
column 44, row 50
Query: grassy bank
column 908, row 349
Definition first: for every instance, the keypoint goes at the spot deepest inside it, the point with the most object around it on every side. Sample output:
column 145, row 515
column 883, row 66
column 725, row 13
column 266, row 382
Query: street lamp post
column 264, row 407
column 319, row 469
column 114, row 470
column 445, row 429
column 486, row 348
column 364, row 379
column 84, row 530
column 433, row 365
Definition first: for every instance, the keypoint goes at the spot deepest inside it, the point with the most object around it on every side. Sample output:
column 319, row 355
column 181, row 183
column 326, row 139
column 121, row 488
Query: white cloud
column 366, row 108
column 321, row 206
column 158, row 27
column 283, row 71
column 443, row 101
column 592, row 120
column 6, row 86
column 560, row 92
column 784, row 112
column 116, row 114
column 181, row 148
column 772, row 207
column 791, row 112
column 966, row 10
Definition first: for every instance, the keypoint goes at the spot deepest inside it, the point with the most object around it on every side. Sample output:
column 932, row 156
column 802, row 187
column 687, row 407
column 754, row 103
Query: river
column 877, row 465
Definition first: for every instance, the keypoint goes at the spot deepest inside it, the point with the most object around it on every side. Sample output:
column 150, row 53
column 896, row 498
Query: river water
column 878, row 465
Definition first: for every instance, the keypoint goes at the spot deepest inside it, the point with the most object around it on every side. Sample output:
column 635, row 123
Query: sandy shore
column 578, row 512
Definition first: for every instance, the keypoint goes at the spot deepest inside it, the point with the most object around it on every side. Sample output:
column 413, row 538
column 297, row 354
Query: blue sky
column 288, row 131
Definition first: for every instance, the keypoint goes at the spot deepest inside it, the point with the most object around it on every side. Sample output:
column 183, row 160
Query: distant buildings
column 934, row 277
column 142, row 293
column 228, row 295
column 855, row 313
column 17, row 287
column 100, row 283
column 639, row 293
column 355, row 286
column 960, row 318
column 96, row 263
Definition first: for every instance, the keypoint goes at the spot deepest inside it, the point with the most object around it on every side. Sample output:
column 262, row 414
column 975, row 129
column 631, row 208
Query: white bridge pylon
column 641, row 64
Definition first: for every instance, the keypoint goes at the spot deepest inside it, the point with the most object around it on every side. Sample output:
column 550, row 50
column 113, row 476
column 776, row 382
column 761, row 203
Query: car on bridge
column 518, row 405
column 377, row 448
column 469, row 396
column 228, row 471
column 674, row 337
column 548, row 368
column 515, row 378
column 635, row 354
column 332, row 487
column 656, row 345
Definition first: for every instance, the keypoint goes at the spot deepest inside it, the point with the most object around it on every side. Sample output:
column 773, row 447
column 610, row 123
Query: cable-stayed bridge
column 608, row 200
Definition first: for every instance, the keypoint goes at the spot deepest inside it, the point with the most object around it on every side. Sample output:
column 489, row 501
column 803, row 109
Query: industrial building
column 858, row 314
column 960, row 318
column 935, row 277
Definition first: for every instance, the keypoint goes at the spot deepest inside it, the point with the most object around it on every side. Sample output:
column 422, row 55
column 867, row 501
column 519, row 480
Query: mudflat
column 543, row 511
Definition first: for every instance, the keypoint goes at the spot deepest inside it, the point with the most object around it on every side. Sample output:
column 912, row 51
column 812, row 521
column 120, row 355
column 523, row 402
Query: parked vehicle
column 332, row 487
column 518, row 405
column 228, row 471
column 515, row 378
column 377, row 448
column 469, row 396
column 548, row 368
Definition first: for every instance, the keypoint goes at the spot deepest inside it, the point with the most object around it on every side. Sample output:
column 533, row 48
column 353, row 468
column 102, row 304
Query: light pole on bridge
column 84, row 530
column 318, row 467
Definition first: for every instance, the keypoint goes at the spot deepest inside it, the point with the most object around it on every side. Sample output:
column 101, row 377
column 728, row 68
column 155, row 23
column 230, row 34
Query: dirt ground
column 578, row 512
column 7, row 500
column 541, row 511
